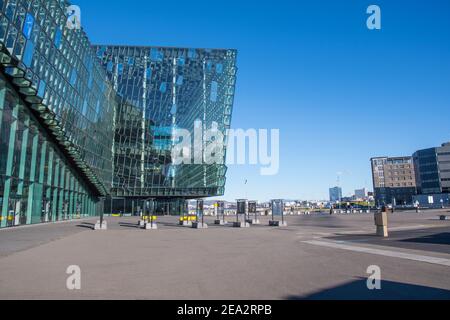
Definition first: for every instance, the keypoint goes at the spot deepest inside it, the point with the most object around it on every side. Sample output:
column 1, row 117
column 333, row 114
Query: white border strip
column 386, row 253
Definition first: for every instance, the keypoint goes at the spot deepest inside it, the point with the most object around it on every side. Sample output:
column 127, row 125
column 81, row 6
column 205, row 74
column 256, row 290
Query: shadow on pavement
column 86, row 225
column 357, row 290
column 439, row 238
column 432, row 240
column 129, row 225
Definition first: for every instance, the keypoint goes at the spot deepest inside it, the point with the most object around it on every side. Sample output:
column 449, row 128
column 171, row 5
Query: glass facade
column 56, row 72
column 37, row 182
column 79, row 123
column 56, row 117
column 433, row 169
column 443, row 155
column 427, row 171
column 163, row 90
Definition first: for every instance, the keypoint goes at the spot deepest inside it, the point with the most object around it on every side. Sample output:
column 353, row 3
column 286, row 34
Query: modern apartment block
column 79, row 124
column 433, row 169
column 394, row 180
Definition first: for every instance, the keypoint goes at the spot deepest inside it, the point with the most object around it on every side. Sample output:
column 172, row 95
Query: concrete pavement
column 227, row 263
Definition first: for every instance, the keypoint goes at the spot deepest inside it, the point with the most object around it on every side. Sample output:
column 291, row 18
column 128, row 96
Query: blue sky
column 339, row 93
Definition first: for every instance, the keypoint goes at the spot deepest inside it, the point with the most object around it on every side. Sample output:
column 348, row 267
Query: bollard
column 381, row 222
column 101, row 225
column 253, row 221
column 186, row 221
column 150, row 226
column 199, row 225
column 240, row 224
column 278, row 224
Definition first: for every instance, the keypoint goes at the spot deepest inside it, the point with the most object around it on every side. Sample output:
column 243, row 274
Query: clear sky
column 339, row 93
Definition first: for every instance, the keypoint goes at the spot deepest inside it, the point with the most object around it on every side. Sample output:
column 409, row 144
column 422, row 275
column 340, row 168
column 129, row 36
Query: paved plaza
column 315, row 257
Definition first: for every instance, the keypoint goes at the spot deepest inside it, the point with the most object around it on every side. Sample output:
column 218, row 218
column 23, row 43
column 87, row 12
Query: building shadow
column 355, row 237
column 439, row 238
column 357, row 290
column 86, row 225
column 129, row 225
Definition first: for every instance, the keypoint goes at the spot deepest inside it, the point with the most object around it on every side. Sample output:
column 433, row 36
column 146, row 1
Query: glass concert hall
column 88, row 129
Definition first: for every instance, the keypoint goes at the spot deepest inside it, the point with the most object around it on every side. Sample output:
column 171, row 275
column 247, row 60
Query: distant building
column 432, row 170
column 361, row 193
column 335, row 194
column 435, row 201
column 347, row 200
column 394, row 180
